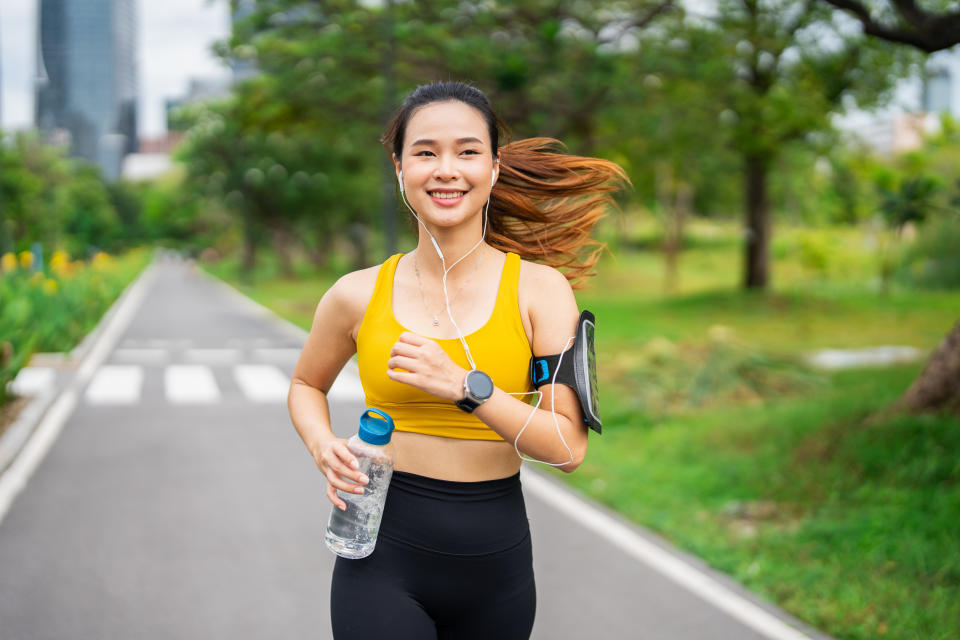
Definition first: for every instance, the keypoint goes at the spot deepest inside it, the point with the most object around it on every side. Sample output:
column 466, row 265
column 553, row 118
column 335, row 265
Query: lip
column 448, row 202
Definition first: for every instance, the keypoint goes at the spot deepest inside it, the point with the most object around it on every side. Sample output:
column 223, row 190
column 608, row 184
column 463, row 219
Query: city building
column 86, row 87
column 916, row 109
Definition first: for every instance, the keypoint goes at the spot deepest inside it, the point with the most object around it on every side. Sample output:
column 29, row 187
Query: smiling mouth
column 446, row 195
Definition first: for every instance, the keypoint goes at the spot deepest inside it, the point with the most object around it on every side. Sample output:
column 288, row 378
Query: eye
column 473, row 151
column 420, row 153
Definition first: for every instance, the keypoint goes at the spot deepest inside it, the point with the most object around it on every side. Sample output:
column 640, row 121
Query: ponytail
column 546, row 203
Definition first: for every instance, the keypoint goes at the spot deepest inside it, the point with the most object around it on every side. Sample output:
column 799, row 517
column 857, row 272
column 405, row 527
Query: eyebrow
column 458, row 141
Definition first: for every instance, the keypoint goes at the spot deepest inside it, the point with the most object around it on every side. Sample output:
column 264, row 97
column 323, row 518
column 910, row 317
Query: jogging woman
column 444, row 336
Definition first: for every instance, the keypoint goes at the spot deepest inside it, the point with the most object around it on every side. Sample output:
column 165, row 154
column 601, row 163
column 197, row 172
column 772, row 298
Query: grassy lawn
column 719, row 438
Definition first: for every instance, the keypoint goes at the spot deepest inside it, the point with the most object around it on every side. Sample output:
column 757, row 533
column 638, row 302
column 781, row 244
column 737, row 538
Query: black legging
column 453, row 561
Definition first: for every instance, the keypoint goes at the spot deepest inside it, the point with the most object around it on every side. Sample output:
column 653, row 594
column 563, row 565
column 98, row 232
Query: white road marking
column 190, row 384
column 346, row 387
column 213, row 356
column 32, row 381
column 667, row 564
column 277, row 354
column 115, row 384
column 141, row 356
column 262, row 382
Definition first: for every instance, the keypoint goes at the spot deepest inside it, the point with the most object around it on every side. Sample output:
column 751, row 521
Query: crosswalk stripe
column 213, row 356
column 115, row 384
column 277, row 354
column 262, row 382
column 189, row 383
column 143, row 356
column 32, row 381
column 346, row 387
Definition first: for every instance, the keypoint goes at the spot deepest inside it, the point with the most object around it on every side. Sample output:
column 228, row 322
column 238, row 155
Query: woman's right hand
column 339, row 466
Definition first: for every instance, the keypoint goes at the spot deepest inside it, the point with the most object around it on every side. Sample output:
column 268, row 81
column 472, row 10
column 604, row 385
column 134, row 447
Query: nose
column 446, row 168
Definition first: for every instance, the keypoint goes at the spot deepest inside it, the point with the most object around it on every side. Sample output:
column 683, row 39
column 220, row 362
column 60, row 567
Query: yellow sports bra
column 500, row 349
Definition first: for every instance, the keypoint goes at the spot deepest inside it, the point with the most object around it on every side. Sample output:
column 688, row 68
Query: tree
column 938, row 385
column 794, row 67
column 907, row 23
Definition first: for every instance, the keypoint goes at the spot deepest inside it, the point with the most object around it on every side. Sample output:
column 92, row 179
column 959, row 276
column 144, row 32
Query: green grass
column 850, row 526
column 732, row 450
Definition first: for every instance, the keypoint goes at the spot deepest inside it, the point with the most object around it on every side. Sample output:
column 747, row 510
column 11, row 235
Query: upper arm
column 553, row 316
column 330, row 343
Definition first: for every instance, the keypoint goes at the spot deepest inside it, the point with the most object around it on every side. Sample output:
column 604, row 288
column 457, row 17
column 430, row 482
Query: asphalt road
column 177, row 501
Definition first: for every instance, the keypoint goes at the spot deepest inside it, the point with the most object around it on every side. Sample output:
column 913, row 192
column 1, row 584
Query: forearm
column 310, row 414
column 506, row 414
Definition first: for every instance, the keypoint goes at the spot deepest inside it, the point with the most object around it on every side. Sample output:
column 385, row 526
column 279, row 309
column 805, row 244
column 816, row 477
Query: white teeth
column 446, row 195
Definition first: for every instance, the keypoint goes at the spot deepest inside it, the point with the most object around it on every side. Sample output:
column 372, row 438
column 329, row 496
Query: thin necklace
column 436, row 316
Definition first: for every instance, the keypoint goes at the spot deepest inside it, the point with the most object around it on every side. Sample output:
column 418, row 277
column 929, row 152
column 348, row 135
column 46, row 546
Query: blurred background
column 775, row 286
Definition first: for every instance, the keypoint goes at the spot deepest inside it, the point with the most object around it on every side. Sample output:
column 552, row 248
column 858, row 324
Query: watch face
column 479, row 384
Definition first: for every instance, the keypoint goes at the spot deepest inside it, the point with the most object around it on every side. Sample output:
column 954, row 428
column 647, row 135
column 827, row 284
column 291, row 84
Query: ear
column 396, row 164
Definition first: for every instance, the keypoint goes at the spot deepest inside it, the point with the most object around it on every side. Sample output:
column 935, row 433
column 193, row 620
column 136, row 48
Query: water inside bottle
column 353, row 533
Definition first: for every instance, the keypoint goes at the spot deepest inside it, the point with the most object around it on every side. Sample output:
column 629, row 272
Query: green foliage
column 910, row 201
column 670, row 377
column 933, row 261
column 51, row 307
column 58, row 202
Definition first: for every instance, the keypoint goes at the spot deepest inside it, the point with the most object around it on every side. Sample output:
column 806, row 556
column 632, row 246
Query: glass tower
column 87, row 78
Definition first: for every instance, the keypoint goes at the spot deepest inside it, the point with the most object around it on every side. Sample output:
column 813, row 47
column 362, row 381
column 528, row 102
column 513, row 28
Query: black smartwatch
column 477, row 388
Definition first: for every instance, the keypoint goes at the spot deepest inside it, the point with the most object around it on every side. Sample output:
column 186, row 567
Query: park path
column 167, row 495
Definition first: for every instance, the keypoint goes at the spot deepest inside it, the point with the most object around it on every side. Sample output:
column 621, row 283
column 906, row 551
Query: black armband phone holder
column 578, row 370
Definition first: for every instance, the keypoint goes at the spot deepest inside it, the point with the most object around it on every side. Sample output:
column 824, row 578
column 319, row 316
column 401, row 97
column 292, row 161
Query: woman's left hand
column 427, row 367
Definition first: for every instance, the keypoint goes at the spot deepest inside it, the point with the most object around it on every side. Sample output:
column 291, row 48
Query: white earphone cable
column 466, row 348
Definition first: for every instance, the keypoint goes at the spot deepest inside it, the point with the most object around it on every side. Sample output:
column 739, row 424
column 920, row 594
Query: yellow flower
column 8, row 262
column 101, row 260
column 60, row 263
column 50, row 286
column 26, row 259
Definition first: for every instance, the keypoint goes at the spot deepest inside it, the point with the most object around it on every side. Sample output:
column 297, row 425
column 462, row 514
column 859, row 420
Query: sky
column 174, row 46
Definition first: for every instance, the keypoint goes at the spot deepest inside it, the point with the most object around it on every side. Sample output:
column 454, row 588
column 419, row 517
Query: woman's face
column 447, row 162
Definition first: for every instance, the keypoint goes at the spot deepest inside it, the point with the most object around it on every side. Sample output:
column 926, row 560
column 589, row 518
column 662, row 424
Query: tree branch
column 924, row 30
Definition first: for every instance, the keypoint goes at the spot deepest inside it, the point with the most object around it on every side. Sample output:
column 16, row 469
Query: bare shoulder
column 351, row 294
column 546, row 297
column 333, row 336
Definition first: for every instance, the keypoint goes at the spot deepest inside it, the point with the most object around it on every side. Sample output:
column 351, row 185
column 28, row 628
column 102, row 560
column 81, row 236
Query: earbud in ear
column 400, row 180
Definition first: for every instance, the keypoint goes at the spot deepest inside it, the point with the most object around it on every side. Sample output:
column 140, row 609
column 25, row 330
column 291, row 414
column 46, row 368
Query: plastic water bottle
column 353, row 533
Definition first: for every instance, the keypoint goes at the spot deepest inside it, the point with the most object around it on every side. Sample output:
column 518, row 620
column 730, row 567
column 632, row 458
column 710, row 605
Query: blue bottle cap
column 373, row 430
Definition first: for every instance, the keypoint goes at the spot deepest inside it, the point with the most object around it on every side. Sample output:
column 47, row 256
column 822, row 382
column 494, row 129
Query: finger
column 350, row 472
column 402, row 376
column 335, row 499
column 404, row 349
column 340, row 470
column 412, row 338
column 403, row 362
column 346, row 483
column 344, row 455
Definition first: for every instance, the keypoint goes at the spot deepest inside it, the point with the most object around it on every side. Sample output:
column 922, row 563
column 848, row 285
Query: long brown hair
column 546, row 202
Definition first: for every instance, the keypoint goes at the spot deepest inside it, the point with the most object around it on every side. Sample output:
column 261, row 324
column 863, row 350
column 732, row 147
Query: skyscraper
column 87, row 78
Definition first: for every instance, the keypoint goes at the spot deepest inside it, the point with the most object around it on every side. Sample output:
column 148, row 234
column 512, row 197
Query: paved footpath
column 167, row 495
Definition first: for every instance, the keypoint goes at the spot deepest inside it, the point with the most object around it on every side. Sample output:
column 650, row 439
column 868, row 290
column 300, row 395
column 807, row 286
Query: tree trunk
column 283, row 245
column 358, row 233
column 676, row 217
column 757, row 232
column 937, row 388
column 320, row 254
column 249, row 249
